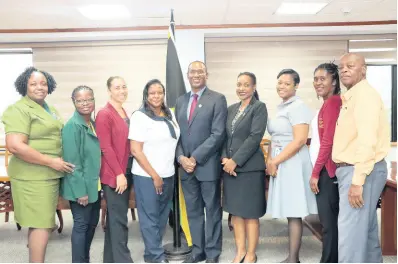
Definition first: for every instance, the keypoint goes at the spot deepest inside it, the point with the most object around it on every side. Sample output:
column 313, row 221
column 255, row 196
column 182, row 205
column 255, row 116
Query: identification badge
column 277, row 151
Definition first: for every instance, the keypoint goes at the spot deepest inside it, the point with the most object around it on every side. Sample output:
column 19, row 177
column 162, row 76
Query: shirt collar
column 291, row 99
column 199, row 93
column 354, row 90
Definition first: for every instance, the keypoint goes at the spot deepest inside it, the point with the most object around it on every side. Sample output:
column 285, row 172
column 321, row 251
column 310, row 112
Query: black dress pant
column 328, row 210
column 200, row 196
column 85, row 220
column 116, row 233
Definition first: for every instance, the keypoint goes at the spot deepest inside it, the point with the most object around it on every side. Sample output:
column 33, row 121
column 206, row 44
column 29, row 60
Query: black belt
column 343, row 164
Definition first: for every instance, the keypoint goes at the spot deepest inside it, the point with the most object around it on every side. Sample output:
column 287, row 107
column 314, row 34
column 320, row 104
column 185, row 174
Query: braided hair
column 21, row 83
column 81, row 88
column 333, row 70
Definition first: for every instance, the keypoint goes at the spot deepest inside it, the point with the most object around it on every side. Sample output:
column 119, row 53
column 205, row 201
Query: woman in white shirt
column 153, row 134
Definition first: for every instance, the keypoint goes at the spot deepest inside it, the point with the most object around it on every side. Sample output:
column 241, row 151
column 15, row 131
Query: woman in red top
column 112, row 126
column 323, row 180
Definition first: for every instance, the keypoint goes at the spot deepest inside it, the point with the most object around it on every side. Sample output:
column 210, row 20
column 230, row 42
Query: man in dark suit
column 201, row 115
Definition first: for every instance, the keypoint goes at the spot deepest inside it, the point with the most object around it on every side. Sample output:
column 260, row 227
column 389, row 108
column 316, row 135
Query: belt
column 343, row 164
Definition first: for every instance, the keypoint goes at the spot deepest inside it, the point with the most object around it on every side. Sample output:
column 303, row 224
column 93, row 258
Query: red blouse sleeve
column 330, row 114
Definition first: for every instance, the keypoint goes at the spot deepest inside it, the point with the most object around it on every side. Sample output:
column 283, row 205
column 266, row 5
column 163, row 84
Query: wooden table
column 389, row 214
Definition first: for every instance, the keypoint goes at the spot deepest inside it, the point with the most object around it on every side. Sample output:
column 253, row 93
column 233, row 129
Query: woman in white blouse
column 154, row 134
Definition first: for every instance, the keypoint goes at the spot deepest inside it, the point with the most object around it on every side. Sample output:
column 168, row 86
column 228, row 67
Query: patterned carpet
column 272, row 248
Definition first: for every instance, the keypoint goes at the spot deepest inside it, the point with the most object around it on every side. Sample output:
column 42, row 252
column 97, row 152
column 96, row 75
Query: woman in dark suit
column 244, row 167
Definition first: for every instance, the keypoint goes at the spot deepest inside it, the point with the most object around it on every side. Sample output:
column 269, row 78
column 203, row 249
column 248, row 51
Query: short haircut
column 197, row 61
column 21, row 83
column 293, row 73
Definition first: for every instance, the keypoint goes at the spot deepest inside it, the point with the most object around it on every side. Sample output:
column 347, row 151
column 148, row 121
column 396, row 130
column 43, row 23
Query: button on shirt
column 191, row 99
column 362, row 136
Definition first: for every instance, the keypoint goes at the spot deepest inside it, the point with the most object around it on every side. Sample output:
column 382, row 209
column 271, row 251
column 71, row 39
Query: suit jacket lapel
column 184, row 108
column 246, row 111
column 201, row 104
column 232, row 116
column 40, row 112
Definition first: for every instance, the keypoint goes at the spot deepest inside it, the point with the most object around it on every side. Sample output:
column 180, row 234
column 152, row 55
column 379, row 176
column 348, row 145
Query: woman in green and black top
column 82, row 187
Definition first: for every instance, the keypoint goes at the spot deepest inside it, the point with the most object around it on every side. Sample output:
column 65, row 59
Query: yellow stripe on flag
column 183, row 211
column 184, row 217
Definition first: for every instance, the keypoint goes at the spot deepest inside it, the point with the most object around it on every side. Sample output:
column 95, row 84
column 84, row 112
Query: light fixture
column 372, row 49
column 369, row 40
column 105, row 12
column 302, row 8
column 380, row 60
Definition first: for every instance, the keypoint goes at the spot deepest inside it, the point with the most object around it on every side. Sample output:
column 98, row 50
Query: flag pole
column 175, row 250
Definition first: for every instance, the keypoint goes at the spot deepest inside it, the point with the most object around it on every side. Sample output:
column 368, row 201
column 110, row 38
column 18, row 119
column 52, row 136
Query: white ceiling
column 47, row 14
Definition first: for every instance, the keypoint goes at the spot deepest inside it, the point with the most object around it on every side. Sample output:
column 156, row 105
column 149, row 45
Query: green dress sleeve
column 72, row 143
column 16, row 120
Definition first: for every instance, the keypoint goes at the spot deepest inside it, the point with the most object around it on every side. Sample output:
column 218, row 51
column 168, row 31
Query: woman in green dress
column 33, row 136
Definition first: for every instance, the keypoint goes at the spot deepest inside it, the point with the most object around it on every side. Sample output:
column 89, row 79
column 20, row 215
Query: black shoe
column 156, row 261
column 196, row 259
column 212, row 260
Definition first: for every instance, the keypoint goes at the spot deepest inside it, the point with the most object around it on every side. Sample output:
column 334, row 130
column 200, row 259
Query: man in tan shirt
column 361, row 142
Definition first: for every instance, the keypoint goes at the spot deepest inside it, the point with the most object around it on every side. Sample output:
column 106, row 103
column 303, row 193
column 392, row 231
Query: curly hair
column 21, row 83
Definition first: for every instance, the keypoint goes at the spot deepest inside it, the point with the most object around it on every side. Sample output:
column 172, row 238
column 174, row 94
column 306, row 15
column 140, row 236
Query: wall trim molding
column 211, row 26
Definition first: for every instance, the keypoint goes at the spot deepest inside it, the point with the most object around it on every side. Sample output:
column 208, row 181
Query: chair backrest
column 264, row 147
column 7, row 156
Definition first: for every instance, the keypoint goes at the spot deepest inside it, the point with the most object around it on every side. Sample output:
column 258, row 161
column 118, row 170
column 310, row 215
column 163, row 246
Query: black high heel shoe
column 254, row 261
column 243, row 259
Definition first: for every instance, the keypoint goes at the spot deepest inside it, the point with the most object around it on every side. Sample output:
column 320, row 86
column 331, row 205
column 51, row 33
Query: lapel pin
column 200, row 106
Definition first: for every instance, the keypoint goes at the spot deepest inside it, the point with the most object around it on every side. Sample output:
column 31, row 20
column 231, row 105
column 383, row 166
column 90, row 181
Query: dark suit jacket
column 244, row 145
column 202, row 138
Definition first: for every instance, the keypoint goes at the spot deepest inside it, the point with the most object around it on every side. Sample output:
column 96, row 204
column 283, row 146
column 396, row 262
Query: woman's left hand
column 229, row 167
column 272, row 168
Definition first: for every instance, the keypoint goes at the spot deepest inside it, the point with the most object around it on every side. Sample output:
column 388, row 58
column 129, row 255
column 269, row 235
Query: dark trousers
column 85, row 220
column 200, row 195
column 116, row 233
column 328, row 210
column 153, row 212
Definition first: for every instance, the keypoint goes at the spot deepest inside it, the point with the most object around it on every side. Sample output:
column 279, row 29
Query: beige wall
column 92, row 64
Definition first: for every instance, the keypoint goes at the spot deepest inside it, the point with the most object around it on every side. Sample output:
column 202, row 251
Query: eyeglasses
column 196, row 72
column 83, row 102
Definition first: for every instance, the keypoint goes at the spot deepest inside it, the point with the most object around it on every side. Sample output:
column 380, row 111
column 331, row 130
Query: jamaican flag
column 175, row 87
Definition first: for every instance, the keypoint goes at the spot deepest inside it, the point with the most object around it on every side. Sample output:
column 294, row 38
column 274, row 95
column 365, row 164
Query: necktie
column 193, row 106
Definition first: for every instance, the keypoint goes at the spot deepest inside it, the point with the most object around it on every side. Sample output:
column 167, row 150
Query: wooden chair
column 264, row 147
column 132, row 206
column 6, row 195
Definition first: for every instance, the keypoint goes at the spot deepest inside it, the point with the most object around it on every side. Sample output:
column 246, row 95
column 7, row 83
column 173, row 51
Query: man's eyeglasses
column 194, row 72
column 83, row 102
